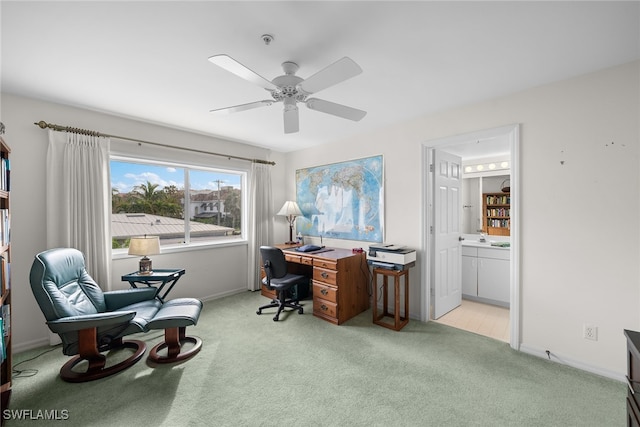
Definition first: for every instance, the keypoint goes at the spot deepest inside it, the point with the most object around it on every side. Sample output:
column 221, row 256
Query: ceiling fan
column 291, row 89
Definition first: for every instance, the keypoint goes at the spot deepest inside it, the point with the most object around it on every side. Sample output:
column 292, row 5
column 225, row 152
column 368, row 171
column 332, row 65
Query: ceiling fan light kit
column 291, row 89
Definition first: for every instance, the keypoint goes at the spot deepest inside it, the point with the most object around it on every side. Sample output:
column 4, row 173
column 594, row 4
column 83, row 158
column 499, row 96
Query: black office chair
column 278, row 279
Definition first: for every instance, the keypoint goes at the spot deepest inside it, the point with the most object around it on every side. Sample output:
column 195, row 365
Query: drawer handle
column 324, row 292
column 324, row 307
column 324, row 275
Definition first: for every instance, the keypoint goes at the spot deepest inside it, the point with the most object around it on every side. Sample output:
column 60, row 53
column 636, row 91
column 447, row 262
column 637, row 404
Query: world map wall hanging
column 342, row 200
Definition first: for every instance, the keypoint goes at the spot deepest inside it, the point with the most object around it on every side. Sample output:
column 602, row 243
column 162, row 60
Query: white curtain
column 260, row 219
column 79, row 199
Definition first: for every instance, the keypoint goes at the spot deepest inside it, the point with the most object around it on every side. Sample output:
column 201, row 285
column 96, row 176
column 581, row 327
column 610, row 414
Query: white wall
column 210, row 273
column 580, row 219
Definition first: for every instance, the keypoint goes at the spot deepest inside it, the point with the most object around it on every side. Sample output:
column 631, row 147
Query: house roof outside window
column 125, row 225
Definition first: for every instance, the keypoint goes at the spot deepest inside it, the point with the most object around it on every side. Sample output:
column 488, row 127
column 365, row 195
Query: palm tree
column 148, row 198
column 147, row 191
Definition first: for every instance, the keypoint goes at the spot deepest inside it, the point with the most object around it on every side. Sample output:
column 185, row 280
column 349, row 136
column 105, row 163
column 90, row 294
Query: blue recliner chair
column 91, row 322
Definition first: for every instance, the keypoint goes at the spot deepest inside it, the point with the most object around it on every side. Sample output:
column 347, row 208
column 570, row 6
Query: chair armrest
column 121, row 298
column 88, row 321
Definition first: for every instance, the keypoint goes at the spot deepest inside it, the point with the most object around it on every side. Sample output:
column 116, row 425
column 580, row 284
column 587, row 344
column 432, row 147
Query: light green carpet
column 305, row 371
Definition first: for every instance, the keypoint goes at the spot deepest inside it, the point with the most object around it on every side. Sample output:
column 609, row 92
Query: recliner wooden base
column 97, row 361
column 174, row 339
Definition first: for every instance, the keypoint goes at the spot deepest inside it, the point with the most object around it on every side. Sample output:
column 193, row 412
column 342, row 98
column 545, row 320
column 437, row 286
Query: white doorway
column 446, row 231
column 480, row 140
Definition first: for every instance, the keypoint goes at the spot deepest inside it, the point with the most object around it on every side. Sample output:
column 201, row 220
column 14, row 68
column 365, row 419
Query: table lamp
column 147, row 245
column 291, row 211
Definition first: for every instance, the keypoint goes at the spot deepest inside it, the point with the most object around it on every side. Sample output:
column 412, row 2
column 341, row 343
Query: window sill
column 122, row 253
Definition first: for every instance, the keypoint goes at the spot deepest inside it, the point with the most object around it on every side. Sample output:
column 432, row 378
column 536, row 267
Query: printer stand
column 398, row 321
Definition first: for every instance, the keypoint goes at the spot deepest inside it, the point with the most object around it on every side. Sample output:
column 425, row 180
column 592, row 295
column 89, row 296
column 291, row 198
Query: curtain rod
column 44, row 125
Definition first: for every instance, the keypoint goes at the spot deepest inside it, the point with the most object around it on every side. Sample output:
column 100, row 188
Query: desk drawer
column 293, row 258
column 324, row 263
column 325, row 292
column 269, row 293
column 326, row 276
column 325, row 308
column 306, row 260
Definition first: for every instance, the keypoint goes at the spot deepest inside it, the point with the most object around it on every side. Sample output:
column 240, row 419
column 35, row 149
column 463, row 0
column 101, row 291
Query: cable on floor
column 24, row 373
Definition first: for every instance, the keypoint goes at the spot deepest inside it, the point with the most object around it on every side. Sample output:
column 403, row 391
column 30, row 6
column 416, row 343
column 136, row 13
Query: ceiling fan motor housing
column 287, row 84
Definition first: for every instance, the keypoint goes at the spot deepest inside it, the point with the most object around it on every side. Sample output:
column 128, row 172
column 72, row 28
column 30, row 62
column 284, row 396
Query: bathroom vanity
column 485, row 272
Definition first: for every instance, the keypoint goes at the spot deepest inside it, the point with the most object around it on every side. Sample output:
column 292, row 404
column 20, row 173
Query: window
column 183, row 205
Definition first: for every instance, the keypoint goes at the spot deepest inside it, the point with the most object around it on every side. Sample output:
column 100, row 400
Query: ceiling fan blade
column 243, row 107
column 228, row 63
column 335, row 109
column 337, row 72
column 291, row 118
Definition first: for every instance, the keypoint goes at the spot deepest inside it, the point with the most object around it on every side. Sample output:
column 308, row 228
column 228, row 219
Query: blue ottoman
column 174, row 316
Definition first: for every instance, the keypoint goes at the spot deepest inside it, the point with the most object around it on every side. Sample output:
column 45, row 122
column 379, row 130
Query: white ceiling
column 148, row 60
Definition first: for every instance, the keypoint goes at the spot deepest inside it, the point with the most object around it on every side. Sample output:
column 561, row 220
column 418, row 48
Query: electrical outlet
column 590, row 332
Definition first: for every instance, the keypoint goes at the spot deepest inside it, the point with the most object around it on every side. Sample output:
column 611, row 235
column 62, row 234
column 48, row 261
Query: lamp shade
column 290, row 209
column 146, row 245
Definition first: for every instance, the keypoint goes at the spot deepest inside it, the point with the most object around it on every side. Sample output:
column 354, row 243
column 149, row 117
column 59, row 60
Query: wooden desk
column 339, row 279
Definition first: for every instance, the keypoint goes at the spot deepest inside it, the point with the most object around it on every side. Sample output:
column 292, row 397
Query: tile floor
column 483, row 319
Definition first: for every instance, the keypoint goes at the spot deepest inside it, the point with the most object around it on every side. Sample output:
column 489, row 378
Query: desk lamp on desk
column 291, row 210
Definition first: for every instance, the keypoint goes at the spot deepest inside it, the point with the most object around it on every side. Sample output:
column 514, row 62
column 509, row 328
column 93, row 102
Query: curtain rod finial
column 41, row 124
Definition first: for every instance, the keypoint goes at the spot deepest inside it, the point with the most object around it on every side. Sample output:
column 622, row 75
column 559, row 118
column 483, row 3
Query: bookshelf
column 5, row 276
column 496, row 212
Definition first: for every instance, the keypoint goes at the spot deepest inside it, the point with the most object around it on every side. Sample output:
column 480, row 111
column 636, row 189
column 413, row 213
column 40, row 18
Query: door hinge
column 431, row 229
column 431, row 167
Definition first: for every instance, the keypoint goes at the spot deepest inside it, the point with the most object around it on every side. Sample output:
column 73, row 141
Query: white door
column 447, row 198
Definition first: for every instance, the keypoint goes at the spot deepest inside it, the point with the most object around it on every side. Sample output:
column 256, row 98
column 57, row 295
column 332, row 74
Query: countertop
column 487, row 244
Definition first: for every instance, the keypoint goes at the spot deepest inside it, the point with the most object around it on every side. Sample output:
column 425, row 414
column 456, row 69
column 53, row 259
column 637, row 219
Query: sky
column 125, row 176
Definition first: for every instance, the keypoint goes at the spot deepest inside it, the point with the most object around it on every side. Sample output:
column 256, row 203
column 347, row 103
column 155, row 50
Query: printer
column 392, row 257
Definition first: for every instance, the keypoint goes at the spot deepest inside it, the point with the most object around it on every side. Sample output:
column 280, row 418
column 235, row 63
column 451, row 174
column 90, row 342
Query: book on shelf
column 5, row 226
column 498, row 200
column 5, row 174
column 499, row 223
column 500, row 212
column 6, row 320
column 3, row 349
column 5, row 277
column 3, row 281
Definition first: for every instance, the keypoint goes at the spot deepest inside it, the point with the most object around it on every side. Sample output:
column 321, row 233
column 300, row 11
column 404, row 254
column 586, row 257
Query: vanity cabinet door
column 470, row 275
column 493, row 279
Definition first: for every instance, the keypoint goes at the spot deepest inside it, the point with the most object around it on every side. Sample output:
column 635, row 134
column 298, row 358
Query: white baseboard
column 54, row 339
column 41, row 342
column 563, row 360
column 223, row 294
